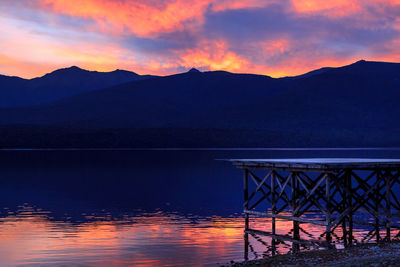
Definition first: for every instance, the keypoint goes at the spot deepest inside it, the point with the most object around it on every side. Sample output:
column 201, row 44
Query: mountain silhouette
column 61, row 83
column 193, row 70
column 354, row 105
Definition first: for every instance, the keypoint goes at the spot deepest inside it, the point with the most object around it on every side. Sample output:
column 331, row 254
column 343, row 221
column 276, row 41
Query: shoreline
column 384, row 254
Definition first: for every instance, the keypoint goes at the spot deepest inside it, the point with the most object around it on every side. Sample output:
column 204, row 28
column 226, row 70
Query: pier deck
column 316, row 163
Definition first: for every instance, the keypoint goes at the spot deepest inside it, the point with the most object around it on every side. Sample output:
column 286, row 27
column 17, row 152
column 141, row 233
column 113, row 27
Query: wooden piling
column 246, row 196
column 387, row 211
column 328, row 208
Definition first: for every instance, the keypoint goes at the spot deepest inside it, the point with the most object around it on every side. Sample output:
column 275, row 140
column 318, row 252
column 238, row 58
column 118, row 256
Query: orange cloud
column 330, row 7
column 389, row 2
column 397, row 24
column 337, row 8
column 145, row 18
column 142, row 18
column 222, row 5
column 218, row 56
column 390, row 52
column 213, row 56
column 274, row 47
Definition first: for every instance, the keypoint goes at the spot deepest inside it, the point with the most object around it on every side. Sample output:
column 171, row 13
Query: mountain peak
column 73, row 68
column 194, row 70
column 361, row 61
column 125, row 72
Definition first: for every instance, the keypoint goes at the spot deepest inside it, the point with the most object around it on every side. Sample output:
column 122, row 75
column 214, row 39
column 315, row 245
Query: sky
column 271, row 37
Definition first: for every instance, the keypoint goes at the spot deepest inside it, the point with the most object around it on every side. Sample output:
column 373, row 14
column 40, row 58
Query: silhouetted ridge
column 194, row 70
column 363, row 67
column 60, row 83
column 74, row 68
column 311, row 73
column 124, row 72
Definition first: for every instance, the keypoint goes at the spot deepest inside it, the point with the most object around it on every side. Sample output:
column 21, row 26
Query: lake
column 134, row 207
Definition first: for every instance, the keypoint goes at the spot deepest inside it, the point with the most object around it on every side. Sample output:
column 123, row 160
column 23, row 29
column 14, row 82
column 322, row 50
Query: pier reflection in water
column 254, row 242
column 32, row 236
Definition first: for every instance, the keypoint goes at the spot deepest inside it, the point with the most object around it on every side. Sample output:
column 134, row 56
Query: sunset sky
column 271, row 37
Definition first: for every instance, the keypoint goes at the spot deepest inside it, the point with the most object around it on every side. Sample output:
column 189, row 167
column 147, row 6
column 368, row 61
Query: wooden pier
column 336, row 189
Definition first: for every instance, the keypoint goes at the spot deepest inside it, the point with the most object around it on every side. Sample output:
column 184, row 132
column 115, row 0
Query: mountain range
column 15, row 91
column 349, row 106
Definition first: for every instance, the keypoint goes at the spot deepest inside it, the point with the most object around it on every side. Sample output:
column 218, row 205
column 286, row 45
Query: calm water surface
column 146, row 208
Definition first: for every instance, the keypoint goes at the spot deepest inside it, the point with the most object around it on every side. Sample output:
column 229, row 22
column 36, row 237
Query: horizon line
column 189, row 68
column 209, row 149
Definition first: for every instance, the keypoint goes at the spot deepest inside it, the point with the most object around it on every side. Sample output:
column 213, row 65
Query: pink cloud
column 29, row 53
column 143, row 18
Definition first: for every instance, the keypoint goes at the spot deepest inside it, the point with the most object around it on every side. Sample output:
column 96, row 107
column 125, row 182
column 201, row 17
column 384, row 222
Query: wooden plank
column 259, row 186
column 318, row 164
column 282, row 195
column 311, row 242
column 328, row 203
column 295, row 197
column 387, row 211
column 246, row 195
column 284, row 217
column 255, row 204
column 285, row 184
column 317, row 185
column 350, row 204
column 257, row 180
column 273, row 177
column 374, row 224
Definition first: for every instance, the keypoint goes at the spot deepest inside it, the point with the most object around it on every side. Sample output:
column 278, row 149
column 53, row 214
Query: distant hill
column 170, row 101
column 61, row 83
column 354, row 105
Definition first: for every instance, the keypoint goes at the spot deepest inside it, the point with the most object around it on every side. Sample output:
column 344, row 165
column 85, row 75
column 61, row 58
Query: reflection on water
column 30, row 236
column 147, row 239
column 149, row 208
